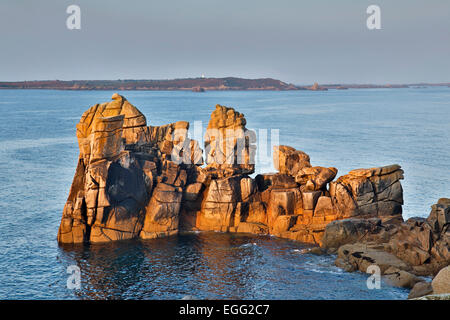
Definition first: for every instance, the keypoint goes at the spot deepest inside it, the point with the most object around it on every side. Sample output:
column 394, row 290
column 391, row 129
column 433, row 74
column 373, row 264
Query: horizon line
column 437, row 83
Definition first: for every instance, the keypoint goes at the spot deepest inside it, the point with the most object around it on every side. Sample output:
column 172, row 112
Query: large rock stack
column 108, row 194
column 125, row 184
column 134, row 180
column 228, row 144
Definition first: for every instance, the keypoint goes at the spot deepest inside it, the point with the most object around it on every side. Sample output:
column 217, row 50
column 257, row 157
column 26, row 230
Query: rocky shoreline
column 404, row 251
column 139, row 181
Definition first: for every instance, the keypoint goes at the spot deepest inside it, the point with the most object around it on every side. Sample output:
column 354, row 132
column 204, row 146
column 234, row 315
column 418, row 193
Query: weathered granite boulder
column 360, row 256
column 117, row 213
column 441, row 283
column 219, row 204
column 315, row 178
column 400, row 278
column 162, row 211
column 310, row 199
column 369, row 192
column 420, row 289
column 439, row 218
column 289, row 161
column 102, row 126
column 284, row 201
column 420, row 244
column 252, row 227
column 229, row 146
column 363, row 193
column 324, row 208
column 412, row 242
column 340, row 232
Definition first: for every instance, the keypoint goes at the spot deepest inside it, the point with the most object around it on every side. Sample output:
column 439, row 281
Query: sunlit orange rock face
column 139, row 181
column 228, row 145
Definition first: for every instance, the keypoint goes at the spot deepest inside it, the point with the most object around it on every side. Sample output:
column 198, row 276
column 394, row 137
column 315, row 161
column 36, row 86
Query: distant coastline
column 195, row 84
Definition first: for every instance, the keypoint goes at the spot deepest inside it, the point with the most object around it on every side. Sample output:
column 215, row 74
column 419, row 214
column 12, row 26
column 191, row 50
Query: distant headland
column 200, row 84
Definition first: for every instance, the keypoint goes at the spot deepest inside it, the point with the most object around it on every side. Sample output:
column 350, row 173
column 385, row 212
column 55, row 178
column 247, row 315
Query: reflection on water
column 213, row 265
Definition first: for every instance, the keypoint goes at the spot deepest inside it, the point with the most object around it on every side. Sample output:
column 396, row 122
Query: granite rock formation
column 404, row 251
column 441, row 283
column 133, row 180
column 125, row 184
column 228, row 144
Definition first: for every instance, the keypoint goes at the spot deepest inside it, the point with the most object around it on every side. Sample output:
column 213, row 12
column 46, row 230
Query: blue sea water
column 346, row 129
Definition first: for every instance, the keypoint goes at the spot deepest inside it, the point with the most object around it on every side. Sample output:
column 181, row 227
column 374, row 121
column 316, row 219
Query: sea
column 346, row 129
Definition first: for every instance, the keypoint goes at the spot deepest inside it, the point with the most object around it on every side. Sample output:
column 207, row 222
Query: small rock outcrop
column 316, row 87
column 404, row 251
column 438, row 289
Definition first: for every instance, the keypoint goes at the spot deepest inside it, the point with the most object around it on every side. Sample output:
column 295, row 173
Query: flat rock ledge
column 134, row 180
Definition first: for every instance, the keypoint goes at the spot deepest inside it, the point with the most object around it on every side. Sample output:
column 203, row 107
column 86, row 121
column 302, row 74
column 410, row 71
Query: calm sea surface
column 346, row 129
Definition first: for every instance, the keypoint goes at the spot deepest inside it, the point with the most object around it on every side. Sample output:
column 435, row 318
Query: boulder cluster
column 404, row 251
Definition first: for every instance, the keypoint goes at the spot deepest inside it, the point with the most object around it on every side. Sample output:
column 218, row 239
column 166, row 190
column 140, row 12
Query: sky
column 300, row 42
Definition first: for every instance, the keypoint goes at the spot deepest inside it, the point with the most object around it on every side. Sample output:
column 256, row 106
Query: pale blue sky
column 295, row 41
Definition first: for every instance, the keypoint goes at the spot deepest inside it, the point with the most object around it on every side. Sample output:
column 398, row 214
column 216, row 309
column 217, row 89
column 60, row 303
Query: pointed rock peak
column 117, row 96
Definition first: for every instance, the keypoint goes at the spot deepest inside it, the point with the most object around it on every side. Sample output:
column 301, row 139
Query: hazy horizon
column 293, row 41
column 445, row 83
